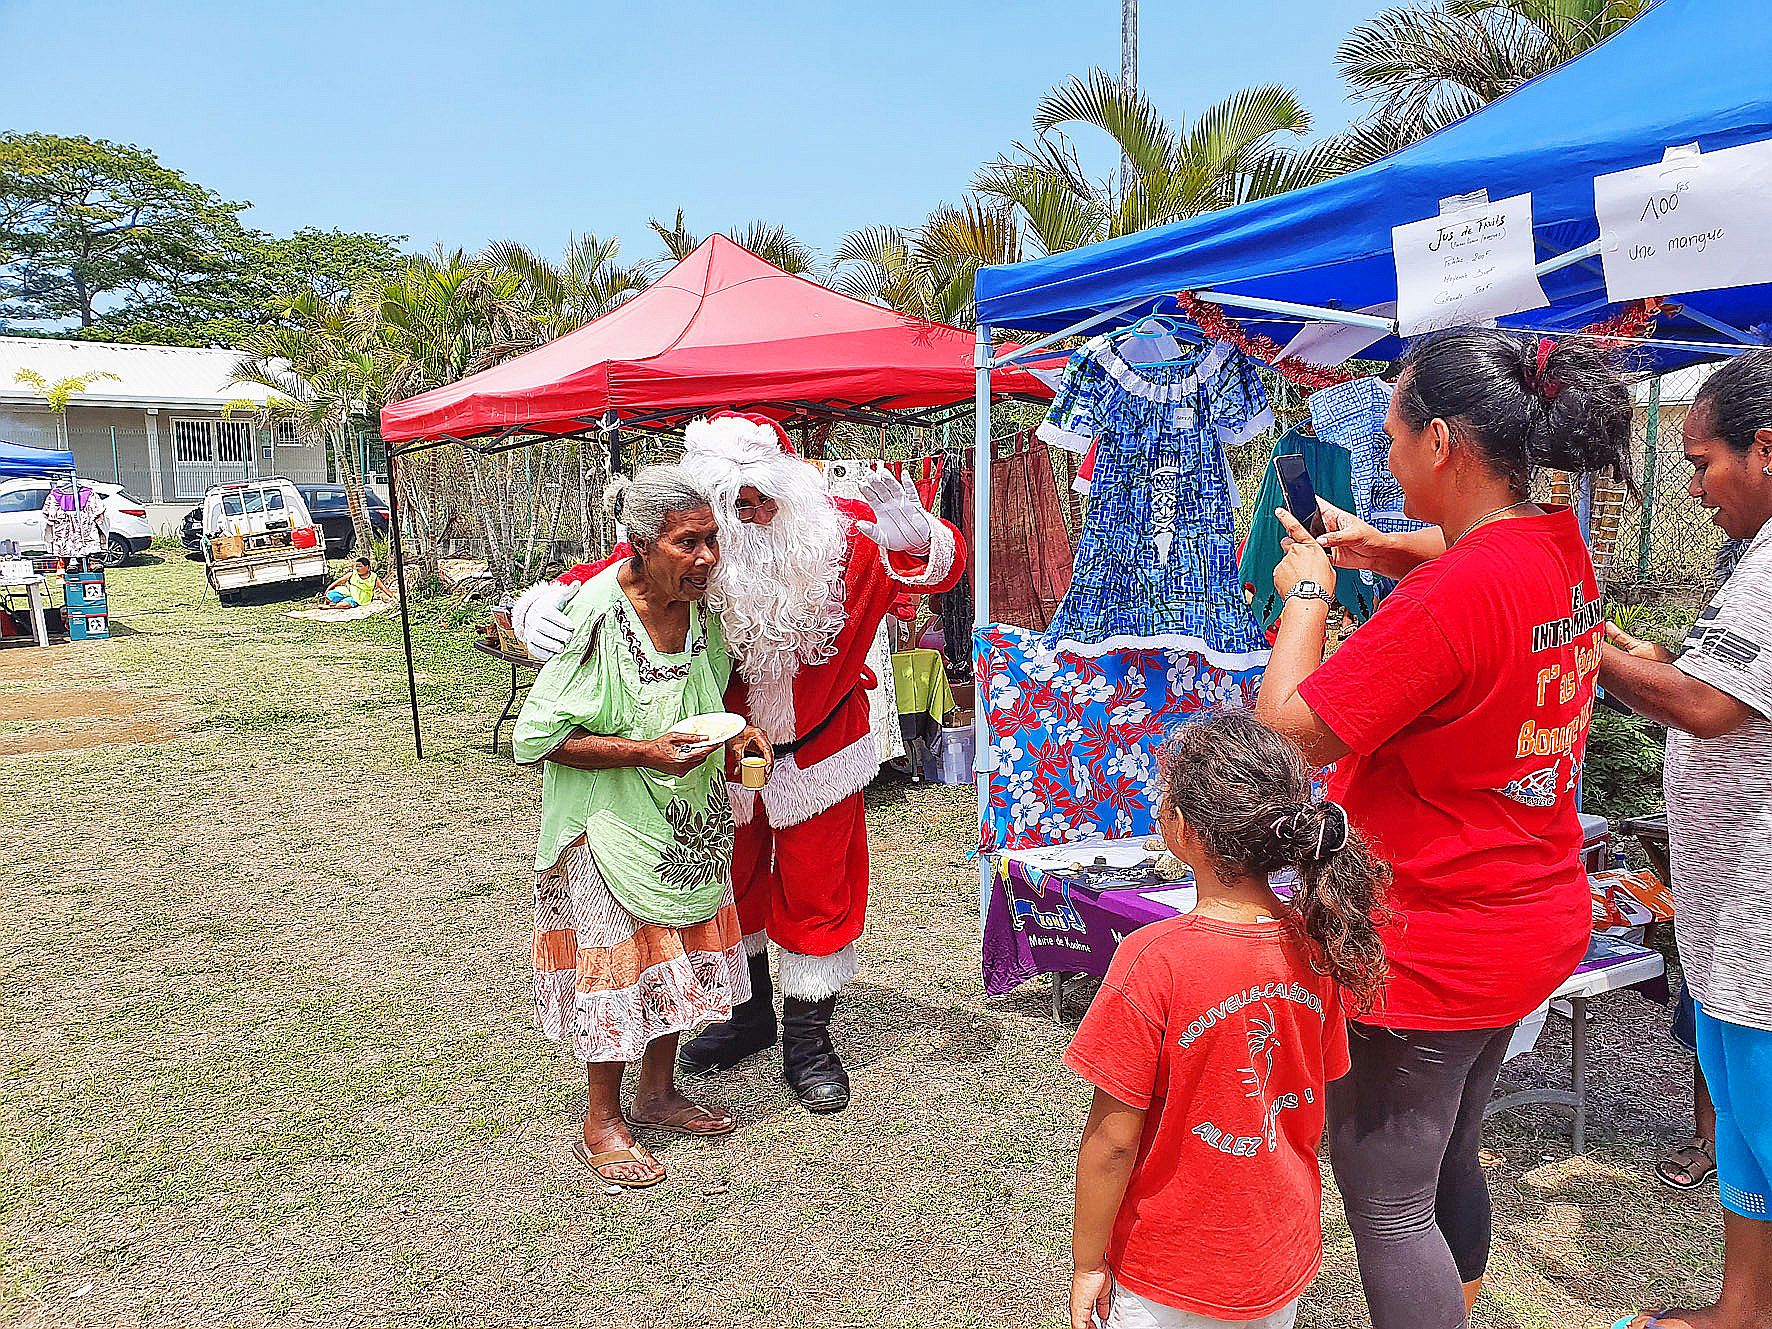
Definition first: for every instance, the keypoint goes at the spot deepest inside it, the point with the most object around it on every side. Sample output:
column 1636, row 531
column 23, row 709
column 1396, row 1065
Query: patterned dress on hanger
column 1156, row 564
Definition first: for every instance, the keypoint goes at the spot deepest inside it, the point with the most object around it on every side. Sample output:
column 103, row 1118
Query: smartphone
column 1301, row 495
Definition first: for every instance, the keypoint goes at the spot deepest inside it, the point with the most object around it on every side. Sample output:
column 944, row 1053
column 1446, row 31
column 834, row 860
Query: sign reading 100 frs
column 1691, row 222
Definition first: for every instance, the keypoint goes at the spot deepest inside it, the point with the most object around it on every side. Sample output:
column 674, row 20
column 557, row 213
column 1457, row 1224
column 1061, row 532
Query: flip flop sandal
column 681, row 1122
column 1651, row 1323
column 1688, row 1158
column 615, row 1158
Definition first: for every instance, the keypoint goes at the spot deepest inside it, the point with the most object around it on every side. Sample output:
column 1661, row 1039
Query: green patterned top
column 662, row 843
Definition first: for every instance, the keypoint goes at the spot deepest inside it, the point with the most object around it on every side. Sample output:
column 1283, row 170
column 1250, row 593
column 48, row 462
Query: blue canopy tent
column 18, row 462
column 1686, row 71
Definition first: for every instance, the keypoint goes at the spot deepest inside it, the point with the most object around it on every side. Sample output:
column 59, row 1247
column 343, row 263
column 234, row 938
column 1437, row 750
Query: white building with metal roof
column 159, row 425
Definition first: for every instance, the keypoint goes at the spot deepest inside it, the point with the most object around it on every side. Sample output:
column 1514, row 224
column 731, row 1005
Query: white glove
column 900, row 524
column 539, row 620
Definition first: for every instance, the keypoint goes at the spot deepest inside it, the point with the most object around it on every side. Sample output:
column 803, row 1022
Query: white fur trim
column 794, row 795
column 744, row 803
column 943, row 549
column 814, row 977
column 755, row 943
column 742, row 442
column 771, row 706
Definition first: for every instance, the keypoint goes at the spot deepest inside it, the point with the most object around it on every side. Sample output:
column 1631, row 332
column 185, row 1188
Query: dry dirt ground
column 269, row 1054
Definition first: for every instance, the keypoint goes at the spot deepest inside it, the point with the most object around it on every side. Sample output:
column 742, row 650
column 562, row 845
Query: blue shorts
column 1684, row 1029
column 1737, row 1062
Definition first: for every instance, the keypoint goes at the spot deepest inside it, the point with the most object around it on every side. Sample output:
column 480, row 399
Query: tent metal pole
column 981, row 592
column 1315, row 313
column 1717, row 325
column 1569, row 260
column 418, row 744
column 1094, row 320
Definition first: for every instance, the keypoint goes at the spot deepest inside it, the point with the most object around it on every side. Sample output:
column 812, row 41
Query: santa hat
column 743, row 438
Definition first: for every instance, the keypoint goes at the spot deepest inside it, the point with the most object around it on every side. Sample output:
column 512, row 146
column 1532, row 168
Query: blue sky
column 463, row 123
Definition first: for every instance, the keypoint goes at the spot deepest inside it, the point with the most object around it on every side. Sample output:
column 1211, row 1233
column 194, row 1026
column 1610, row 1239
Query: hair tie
column 1541, row 384
column 1323, row 826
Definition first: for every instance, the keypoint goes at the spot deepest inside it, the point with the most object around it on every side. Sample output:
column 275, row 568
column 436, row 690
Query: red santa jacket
column 831, row 698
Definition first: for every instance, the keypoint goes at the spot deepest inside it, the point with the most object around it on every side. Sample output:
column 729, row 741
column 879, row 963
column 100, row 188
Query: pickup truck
column 259, row 533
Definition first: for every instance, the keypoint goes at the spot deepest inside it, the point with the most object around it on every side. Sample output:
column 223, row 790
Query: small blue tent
column 19, row 462
column 1686, row 71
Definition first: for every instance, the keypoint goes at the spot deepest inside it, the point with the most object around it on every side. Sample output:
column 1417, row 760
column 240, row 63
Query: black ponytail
column 1523, row 401
column 1245, row 792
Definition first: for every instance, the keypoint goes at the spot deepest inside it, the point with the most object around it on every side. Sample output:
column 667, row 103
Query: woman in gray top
column 1716, row 700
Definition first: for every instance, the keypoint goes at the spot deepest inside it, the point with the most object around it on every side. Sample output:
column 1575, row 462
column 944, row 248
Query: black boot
column 751, row 1029
column 808, row 1061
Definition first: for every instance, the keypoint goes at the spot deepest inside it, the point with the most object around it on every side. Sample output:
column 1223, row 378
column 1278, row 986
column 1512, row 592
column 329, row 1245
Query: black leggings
column 1404, row 1126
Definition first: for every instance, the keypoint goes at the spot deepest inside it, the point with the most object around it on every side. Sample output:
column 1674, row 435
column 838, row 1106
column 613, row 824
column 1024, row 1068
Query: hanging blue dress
column 1156, row 564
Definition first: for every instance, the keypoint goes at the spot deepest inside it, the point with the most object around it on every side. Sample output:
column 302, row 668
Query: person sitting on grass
column 1210, row 1043
column 357, row 587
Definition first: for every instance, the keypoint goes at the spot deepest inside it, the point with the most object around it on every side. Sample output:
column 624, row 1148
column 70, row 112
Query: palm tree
column 768, row 241
column 927, row 271
column 1232, row 153
column 325, row 378
column 61, row 393
column 1421, row 67
column 583, row 286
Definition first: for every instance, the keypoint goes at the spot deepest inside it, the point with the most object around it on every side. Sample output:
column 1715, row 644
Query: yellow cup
column 752, row 771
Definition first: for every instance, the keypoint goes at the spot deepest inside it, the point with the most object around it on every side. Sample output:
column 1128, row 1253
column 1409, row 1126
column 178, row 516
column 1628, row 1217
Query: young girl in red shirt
column 1210, row 1043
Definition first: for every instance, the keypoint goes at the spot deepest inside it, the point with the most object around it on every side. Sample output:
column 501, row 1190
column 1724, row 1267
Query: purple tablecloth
column 1044, row 922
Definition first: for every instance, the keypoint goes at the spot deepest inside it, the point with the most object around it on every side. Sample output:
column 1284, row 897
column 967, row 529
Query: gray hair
column 643, row 503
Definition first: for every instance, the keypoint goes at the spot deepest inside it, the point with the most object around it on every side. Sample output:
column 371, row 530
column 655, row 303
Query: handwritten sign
column 1691, row 222
column 1472, row 263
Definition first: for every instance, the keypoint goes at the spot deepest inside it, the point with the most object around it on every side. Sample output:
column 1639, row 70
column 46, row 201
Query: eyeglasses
column 748, row 511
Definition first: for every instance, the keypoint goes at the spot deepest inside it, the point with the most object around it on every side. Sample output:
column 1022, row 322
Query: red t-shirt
column 1466, row 700
column 1224, row 1034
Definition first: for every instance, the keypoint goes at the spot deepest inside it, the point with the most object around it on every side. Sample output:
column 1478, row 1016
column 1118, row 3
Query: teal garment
column 1331, row 472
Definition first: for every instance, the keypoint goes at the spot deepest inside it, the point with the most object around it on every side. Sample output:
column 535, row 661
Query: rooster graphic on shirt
column 1262, row 1039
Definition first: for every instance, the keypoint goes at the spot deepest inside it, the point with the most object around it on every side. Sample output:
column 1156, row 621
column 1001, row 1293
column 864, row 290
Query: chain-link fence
column 1665, row 546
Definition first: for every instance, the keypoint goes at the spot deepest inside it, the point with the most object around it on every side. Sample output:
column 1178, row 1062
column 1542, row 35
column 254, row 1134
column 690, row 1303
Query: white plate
column 714, row 728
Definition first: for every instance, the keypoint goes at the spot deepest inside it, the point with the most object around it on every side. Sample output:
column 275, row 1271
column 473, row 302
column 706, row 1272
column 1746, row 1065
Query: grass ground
column 269, row 1055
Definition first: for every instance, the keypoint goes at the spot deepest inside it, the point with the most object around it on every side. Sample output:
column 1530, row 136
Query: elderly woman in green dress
column 636, row 937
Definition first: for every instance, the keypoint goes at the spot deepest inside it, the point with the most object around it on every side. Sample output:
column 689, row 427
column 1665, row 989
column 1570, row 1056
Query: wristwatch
column 1310, row 590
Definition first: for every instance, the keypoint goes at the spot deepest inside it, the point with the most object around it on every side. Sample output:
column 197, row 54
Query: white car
column 127, row 516
column 125, row 521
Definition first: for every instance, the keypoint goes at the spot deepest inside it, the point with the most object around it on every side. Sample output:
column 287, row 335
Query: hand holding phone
column 1301, row 495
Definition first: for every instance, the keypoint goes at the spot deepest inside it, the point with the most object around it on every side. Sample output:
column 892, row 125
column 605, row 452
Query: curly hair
column 1244, row 790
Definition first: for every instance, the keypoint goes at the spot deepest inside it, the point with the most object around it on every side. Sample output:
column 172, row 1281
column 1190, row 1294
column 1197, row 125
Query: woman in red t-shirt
column 1458, row 718
column 1199, row 1198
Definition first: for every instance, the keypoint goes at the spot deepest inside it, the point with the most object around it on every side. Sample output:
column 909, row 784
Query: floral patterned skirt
column 613, row 983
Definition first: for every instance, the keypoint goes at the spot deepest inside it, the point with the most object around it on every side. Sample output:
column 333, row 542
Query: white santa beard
column 779, row 591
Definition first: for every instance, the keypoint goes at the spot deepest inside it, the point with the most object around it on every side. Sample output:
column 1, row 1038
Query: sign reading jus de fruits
column 1472, row 263
column 1690, row 222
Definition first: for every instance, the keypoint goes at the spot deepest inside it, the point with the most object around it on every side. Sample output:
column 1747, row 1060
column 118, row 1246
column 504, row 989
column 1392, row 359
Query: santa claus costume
column 803, row 584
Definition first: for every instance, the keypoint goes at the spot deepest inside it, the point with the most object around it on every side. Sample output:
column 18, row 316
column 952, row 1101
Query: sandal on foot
column 1624, row 1321
column 687, row 1121
column 611, row 1158
column 1696, row 1158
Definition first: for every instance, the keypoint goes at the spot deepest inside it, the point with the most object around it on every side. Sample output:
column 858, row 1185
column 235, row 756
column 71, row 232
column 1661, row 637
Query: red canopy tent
column 723, row 329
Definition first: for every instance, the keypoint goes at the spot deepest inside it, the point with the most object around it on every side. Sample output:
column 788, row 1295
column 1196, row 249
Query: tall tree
column 1235, row 151
column 1420, row 67
column 927, row 270
column 327, row 380
column 91, row 229
column 767, row 240
column 588, row 282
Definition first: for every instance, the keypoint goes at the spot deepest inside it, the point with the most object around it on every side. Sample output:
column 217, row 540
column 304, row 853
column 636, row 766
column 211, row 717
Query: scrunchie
column 1288, row 829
